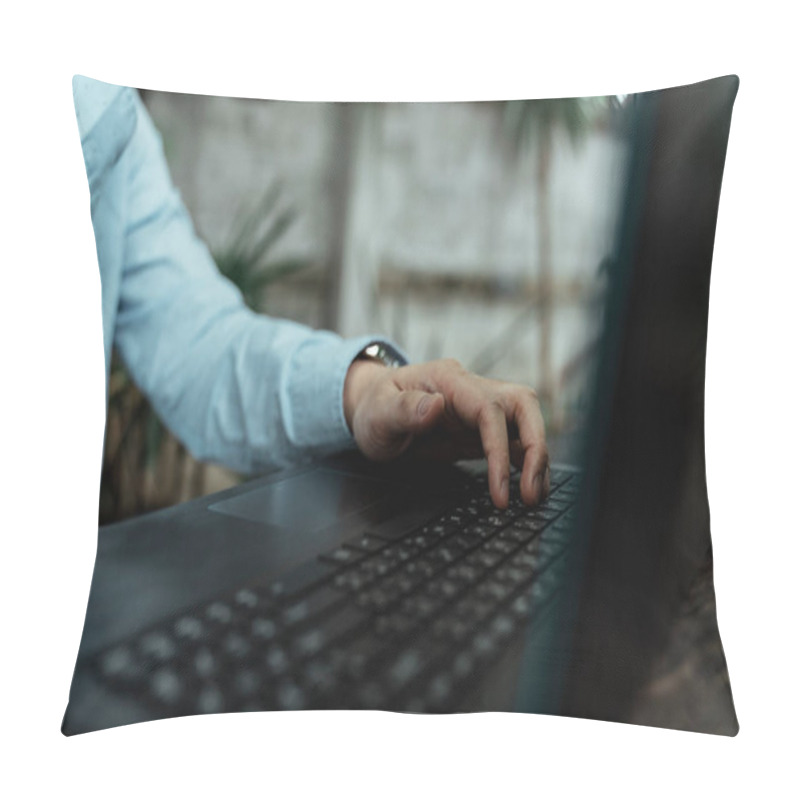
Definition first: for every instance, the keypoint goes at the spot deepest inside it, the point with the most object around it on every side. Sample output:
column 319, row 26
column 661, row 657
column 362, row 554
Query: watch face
column 383, row 353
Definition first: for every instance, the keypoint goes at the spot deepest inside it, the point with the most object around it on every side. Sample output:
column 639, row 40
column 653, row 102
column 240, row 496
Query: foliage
column 247, row 261
column 144, row 466
column 528, row 121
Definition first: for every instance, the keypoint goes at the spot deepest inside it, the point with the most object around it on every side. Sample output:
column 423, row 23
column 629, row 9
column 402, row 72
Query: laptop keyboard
column 407, row 623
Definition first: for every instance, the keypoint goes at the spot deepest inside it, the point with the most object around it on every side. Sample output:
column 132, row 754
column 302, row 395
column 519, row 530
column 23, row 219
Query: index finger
column 494, row 437
column 534, row 481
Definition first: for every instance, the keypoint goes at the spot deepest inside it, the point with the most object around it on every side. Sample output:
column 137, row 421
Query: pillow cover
column 564, row 244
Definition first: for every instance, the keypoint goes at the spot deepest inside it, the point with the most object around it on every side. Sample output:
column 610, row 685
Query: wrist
column 360, row 375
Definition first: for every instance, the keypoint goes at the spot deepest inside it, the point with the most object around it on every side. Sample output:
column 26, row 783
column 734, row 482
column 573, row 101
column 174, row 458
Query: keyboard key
column 322, row 599
column 513, row 576
column 320, row 678
column 343, row 556
column 474, row 609
column 484, row 559
column 291, row 697
column 210, row 700
column 422, row 606
column 466, row 541
column 166, row 686
column 519, row 534
column 452, row 628
column 439, row 690
column 372, row 696
column 484, row 645
column 189, row 628
column 532, row 523
column 368, row 543
column 247, row 598
column 463, row 666
column 344, row 622
column 375, row 600
column 526, row 561
column 309, row 643
column 463, row 573
column 219, row 612
column 406, row 550
column 247, row 682
column 353, row 580
column 205, row 665
column 503, row 626
column 501, row 546
column 264, row 628
column 411, row 663
column 445, row 553
column 423, row 567
column 277, row 660
column 121, row 663
column 521, row 607
column 494, row 591
column 444, row 588
column 381, row 564
column 440, row 530
column 483, row 530
column 424, row 540
column 394, row 625
column 357, row 658
column 414, row 705
column 236, row 646
column 158, row 645
column 459, row 517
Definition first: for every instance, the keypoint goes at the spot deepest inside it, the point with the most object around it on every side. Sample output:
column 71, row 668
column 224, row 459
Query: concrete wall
column 391, row 196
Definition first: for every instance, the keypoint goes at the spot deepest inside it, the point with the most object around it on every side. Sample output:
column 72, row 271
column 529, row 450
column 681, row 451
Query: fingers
column 494, row 436
column 454, row 410
column 535, row 479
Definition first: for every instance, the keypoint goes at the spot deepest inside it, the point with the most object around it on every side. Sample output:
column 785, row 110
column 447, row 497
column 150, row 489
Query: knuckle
column 525, row 394
column 452, row 365
column 525, row 401
column 489, row 411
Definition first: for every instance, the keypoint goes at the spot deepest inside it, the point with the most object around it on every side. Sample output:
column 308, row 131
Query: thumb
column 415, row 411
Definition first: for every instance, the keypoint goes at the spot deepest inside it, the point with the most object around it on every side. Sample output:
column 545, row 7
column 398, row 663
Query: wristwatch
column 384, row 353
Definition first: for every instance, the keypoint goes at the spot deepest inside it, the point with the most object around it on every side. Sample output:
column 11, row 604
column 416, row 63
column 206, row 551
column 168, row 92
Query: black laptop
column 350, row 585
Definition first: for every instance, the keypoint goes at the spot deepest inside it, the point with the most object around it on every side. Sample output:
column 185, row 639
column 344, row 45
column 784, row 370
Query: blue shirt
column 248, row 391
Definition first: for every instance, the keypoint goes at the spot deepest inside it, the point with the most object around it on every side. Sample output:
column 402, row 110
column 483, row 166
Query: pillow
column 250, row 558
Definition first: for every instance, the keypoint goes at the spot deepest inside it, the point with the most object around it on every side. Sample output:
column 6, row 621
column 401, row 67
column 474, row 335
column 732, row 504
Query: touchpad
column 311, row 500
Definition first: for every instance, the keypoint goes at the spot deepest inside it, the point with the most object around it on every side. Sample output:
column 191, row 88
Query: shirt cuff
column 313, row 391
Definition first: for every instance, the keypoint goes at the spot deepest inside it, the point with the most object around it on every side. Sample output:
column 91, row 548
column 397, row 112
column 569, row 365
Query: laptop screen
column 642, row 529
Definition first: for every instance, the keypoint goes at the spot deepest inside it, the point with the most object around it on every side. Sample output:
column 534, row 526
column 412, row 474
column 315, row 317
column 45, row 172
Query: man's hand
column 440, row 410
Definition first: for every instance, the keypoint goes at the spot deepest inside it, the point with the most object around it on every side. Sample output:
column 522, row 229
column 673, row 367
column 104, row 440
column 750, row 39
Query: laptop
column 345, row 584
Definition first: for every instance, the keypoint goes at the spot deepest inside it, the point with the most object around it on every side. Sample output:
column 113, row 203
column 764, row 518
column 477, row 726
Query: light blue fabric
column 239, row 388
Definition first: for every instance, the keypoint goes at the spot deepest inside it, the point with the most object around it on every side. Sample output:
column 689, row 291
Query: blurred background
column 478, row 231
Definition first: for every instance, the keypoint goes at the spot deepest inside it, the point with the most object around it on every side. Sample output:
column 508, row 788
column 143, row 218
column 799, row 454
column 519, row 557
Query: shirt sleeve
column 239, row 388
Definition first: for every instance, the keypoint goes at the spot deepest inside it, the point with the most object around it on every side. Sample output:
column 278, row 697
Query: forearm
column 236, row 387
